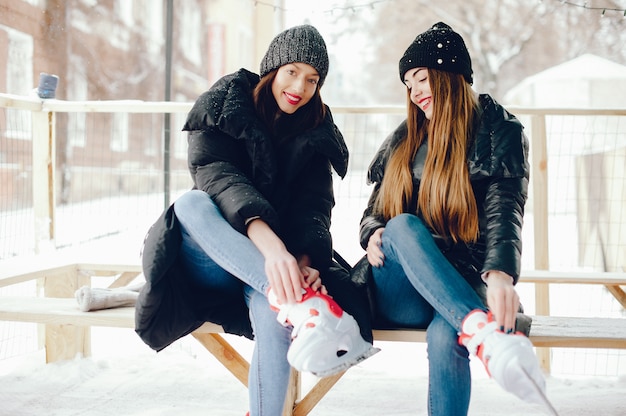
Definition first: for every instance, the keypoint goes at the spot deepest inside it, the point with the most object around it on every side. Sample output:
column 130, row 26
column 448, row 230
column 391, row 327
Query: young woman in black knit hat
column 443, row 226
column 251, row 242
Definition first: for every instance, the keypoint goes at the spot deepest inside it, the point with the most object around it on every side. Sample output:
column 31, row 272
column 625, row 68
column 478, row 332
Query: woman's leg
column 511, row 360
column 319, row 333
column 449, row 380
column 269, row 370
column 203, row 271
column 201, row 226
column 202, row 220
column 397, row 302
column 408, row 242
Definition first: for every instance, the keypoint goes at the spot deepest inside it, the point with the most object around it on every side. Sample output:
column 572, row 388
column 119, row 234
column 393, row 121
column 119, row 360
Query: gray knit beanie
column 298, row 44
column 441, row 48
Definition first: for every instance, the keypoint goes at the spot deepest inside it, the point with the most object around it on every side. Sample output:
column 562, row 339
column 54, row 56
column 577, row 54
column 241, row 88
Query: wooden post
column 307, row 403
column 293, row 392
column 539, row 177
column 44, row 157
column 226, row 354
column 63, row 342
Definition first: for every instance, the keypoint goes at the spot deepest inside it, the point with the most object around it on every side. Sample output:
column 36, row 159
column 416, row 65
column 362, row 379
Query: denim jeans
column 218, row 257
column 417, row 287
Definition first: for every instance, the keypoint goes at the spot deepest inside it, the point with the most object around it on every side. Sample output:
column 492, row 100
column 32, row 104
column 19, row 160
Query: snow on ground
column 124, row 377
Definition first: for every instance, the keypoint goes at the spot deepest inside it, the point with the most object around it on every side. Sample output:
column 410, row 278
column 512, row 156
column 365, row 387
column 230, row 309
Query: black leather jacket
column 499, row 173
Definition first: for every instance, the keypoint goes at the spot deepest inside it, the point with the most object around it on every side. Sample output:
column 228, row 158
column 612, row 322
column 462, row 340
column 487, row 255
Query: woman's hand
column 312, row 277
column 284, row 275
column 283, row 270
column 313, row 280
column 502, row 299
column 375, row 254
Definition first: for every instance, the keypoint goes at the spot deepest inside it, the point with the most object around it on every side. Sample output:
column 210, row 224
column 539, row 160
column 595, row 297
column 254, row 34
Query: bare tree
column 508, row 40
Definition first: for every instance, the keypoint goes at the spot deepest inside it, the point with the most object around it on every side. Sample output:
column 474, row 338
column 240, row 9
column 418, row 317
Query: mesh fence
column 112, row 181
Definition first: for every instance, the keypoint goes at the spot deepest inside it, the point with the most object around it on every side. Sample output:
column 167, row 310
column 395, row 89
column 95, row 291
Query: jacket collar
column 228, row 107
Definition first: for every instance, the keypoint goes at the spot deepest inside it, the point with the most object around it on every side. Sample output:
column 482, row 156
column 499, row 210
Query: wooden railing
column 44, row 151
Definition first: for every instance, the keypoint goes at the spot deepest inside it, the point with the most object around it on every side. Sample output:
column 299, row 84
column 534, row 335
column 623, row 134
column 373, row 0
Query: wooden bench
column 67, row 328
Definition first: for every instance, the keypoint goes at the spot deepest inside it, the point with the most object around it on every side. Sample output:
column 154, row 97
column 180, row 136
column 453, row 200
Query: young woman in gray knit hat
column 252, row 244
column 443, row 226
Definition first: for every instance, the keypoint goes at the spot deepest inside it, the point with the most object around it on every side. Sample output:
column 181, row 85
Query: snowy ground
column 124, row 377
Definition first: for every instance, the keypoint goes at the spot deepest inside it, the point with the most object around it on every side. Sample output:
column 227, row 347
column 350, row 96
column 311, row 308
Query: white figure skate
column 508, row 358
column 325, row 339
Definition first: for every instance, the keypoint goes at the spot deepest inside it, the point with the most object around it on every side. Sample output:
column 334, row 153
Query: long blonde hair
column 445, row 200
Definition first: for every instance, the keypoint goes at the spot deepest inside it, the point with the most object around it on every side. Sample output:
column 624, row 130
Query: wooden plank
column 210, row 328
column 578, row 332
column 225, row 354
column 539, row 182
column 114, row 106
column 63, row 341
column 618, row 293
column 400, row 335
column 552, row 330
column 22, row 269
column 293, row 392
column 12, row 274
column 62, row 311
column 95, row 268
column 44, row 166
column 573, row 277
column 66, row 311
column 317, row 393
column 21, row 102
column 124, row 279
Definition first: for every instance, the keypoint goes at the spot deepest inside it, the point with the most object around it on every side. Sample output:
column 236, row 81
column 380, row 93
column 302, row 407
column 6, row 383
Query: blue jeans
column 417, row 287
column 218, row 257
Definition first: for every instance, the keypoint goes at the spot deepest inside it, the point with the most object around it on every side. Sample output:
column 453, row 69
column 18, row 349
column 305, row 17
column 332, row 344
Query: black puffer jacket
column 499, row 172
column 236, row 161
column 287, row 182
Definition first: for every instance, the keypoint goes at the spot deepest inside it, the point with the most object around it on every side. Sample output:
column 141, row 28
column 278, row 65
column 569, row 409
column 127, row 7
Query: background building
column 119, row 50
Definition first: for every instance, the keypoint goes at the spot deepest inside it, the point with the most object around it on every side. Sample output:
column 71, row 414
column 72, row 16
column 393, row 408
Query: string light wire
column 371, row 4
column 596, row 8
column 353, row 8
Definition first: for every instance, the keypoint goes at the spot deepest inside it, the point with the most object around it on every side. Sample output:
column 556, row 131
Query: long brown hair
column 445, row 200
column 307, row 117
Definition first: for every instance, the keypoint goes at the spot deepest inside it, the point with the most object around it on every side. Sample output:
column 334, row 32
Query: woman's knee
column 405, row 223
column 195, row 205
column 189, row 200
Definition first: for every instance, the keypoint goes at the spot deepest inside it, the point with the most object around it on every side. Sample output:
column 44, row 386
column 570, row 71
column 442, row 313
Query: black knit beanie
column 298, row 44
column 440, row 48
